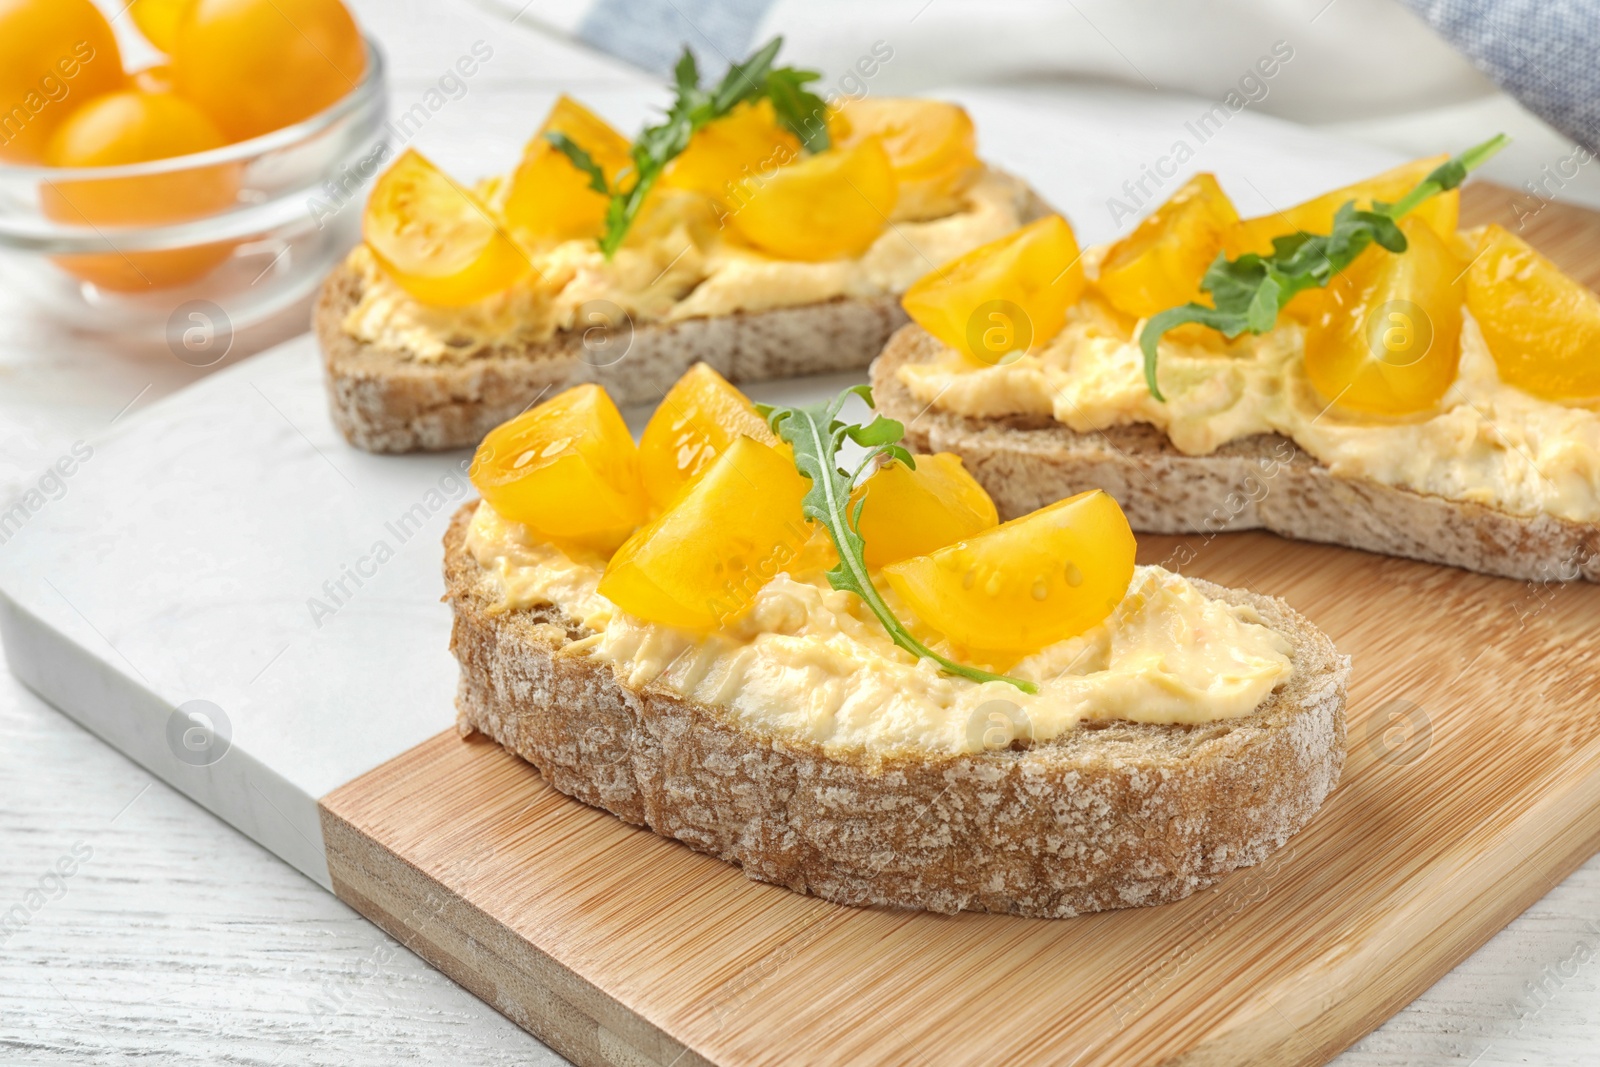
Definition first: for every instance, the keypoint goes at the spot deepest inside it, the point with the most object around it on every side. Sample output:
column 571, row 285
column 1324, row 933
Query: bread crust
column 1107, row 816
column 1261, row 482
column 382, row 402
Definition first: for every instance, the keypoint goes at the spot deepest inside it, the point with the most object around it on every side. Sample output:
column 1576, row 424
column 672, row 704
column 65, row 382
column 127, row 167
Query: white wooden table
column 175, row 939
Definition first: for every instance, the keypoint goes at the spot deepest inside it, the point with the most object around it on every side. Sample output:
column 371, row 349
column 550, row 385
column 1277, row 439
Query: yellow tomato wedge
column 701, row 562
column 698, row 419
column 438, row 241
column 1316, row 215
column 831, row 205
column 1028, row 583
column 568, row 469
column 1007, row 296
column 1542, row 327
column 1159, row 265
column 907, row 512
column 1388, row 337
column 931, row 144
column 728, row 159
column 549, row 197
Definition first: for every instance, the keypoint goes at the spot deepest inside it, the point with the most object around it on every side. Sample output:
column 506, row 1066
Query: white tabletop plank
column 176, row 939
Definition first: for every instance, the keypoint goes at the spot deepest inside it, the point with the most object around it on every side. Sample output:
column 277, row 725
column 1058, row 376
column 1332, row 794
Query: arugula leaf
column 686, row 73
column 800, row 111
column 816, row 434
column 582, row 160
column 1247, row 293
column 747, row 80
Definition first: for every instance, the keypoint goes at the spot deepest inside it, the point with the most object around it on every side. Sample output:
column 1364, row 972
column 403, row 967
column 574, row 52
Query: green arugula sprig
column 799, row 110
column 1250, row 291
column 816, row 434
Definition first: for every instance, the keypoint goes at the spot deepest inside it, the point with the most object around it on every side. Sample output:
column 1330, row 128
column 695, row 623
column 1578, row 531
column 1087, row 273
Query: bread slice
column 1110, row 815
column 383, row 401
column 1260, row 482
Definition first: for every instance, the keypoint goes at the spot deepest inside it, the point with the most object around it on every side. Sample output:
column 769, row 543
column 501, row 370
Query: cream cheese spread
column 1486, row 442
column 812, row 662
column 671, row 270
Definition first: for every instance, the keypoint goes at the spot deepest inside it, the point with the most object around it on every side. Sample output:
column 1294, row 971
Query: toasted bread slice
column 384, row 401
column 1110, row 815
column 1259, row 482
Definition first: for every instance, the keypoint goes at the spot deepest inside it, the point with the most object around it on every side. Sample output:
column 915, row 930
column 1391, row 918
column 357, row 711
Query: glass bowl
column 247, row 230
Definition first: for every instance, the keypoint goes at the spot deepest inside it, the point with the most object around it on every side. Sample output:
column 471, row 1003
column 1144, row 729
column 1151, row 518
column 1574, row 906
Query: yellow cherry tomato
column 550, row 198
column 827, row 206
column 1542, row 327
column 568, row 469
column 698, row 419
column 931, row 144
column 1388, row 339
column 1159, row 265
column 438, row 241
column 1010, row 295
column 54, row 55
column 727, row 160
column 906, row 512
column 701, row 562
column 258, row 65
column 1316, row 215
column 1028, row 583
column 131, row 126
column 158, row 20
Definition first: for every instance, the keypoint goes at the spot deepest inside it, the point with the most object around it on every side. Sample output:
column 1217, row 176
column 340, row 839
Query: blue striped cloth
column 1546, row 53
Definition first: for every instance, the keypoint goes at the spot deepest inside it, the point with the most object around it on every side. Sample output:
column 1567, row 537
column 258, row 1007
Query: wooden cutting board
column 1472, row 787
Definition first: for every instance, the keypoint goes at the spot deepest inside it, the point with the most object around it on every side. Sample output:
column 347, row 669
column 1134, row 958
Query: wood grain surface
column 1473, row 786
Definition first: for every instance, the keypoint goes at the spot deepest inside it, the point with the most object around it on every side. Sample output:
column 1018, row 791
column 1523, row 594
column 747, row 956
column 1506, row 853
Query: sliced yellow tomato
column 1316, row 215
column 438, row 241
column 931, row 144
column 1028, row 583
column 675, row 219
column 906, row 512
column 831, row 205
column 698, row 419
column 549, row 197
column 1007, row 296
column 701, row 562
column 568, row 469
column 1542, row 327
column 1388, row 339
column 727, row 160
column 1159, row 265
